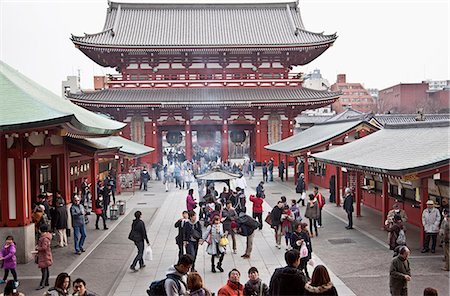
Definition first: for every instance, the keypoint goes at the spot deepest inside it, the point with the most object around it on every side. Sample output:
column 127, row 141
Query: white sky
column 381, row 43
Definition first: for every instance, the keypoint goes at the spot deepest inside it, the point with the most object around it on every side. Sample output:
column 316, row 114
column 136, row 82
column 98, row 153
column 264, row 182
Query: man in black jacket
column 348, row 207
column 192, row 233
column 138, row 234
column 288, row 280
column 179, row 238
column 246, row 227
column 60, row 224
column 300, row 188
column 276, row 213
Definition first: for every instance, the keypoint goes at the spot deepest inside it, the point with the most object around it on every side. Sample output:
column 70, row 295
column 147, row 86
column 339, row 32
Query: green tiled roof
column 26, row 104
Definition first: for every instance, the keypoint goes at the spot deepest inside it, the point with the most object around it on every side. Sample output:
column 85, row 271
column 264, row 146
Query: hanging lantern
column 174, row 138
column 238, row 137
column 206, row 138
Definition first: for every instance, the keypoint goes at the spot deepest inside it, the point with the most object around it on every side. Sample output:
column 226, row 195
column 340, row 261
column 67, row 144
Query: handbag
column 268, row 219
column 223, row 242
column 303, row 196
column 196, row 234
column 304, row 251
column 148, row 254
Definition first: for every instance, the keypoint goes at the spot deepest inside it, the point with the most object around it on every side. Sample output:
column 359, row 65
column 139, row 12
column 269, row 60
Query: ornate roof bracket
column 116, row 21
column 291, row 20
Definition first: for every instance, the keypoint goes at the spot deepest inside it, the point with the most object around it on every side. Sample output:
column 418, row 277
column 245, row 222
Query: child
column 8, row 256
column 296, row 210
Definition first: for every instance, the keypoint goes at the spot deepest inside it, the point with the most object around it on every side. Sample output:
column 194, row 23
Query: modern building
column 354, row 95
column 413, row 97
column 435, row 85
column 204, row 76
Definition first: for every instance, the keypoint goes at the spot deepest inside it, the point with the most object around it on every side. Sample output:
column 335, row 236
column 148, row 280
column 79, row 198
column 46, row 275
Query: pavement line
column 92, row 248
column 345, row 221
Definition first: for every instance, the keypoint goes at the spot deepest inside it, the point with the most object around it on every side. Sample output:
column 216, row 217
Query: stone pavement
column 265, row 256
column 358, row 260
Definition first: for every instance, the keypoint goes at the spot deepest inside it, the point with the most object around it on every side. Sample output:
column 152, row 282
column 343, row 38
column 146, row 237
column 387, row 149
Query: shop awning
column 124, row 146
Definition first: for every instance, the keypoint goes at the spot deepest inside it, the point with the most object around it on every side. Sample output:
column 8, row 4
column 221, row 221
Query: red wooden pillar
column 258, row 141
column 54, row 172
column 22, row 178
column 287, row 166
column 94, row 175
column 358, row 194
column 295, row 170
column 118, row 173
column 3, row 181
column 64, row 174
column 154, row 135
column 384, row 201
column 423, row 204
column 306, row 171
column 338, row 186
column 224, row 134
column 188, row 139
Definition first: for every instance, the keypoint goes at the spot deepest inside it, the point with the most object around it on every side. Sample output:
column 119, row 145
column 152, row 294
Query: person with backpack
column 397, row 233
column 175, row 282
column 246, row 227
column 138, row 234
column 192, row 233
column 240, row 200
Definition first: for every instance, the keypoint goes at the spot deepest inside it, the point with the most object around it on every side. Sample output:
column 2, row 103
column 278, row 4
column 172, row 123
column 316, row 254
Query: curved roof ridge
column 171, row 3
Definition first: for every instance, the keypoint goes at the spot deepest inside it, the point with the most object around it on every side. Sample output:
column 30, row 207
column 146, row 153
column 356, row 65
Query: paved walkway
column 265, row 256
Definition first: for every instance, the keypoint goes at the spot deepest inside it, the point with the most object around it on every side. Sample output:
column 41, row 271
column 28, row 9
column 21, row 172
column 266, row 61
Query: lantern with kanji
column 238, row 137
column 174, row 138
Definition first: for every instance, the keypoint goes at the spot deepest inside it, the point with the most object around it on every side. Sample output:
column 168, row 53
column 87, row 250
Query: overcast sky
column 381, row 43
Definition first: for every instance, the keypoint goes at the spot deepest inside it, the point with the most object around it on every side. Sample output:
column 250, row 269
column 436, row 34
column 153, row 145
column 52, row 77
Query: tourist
column 430, row 222
column 257, row 209
column 281, row 169
column 301, row 188
column 224, row 196
column 255, row 286
column 233, row 287
column 239, row 206
column 106, row 193
column 444, row 233
column 264, row 171
column 176, row 274
column 44, row 257
column 288, row 280
column 270, row 169
column 11, row 289
column 320, row 283
column 246, row 227
column 191, row 204
column 78, row 224
column 400, row 273
column 260, row 190
column 229, row 217
column 99, row 211
column 397, row 233
column 188, row 178
column 192, row 233
column 79, row 288
column 138, row 234
column 179, row 238
column 312, row 213
column 212, row 236
column 59, row 223
column 348, row 207
column 397, row 211
column 332, row 186
column 296, row 211
column 299, row 238
column 61, row 288
column 145, row 177
column 287, row 224
column 85, row 191
column 38, row 218
column 8, row 260
column 252, row 166
column 276, row 213
column 321, row 201
column 195, row 285
column 42, row 200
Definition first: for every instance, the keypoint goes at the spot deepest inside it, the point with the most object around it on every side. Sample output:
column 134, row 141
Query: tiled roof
column 204, row 25
column 166, row 97
column 314, row 136
column 397, row 149
column 125, row 146
column 24, row 103
column 348, row 113
column 408, row 118
column 306, row 119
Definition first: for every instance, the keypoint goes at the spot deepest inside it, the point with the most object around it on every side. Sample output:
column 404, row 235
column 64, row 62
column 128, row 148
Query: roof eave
column 36, row 124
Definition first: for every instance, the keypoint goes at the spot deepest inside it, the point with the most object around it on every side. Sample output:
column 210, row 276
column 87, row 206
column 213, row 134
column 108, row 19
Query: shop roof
column 26, row 104
column 395, row 150
column 124, row 145
column 317, row 135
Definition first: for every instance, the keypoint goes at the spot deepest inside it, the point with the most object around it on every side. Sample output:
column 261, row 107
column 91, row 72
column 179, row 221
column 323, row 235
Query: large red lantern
column 174, row 138
column 238, row 137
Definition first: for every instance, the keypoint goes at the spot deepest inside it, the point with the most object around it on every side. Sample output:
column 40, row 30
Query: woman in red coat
column 257, row 208
column 44, row 255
